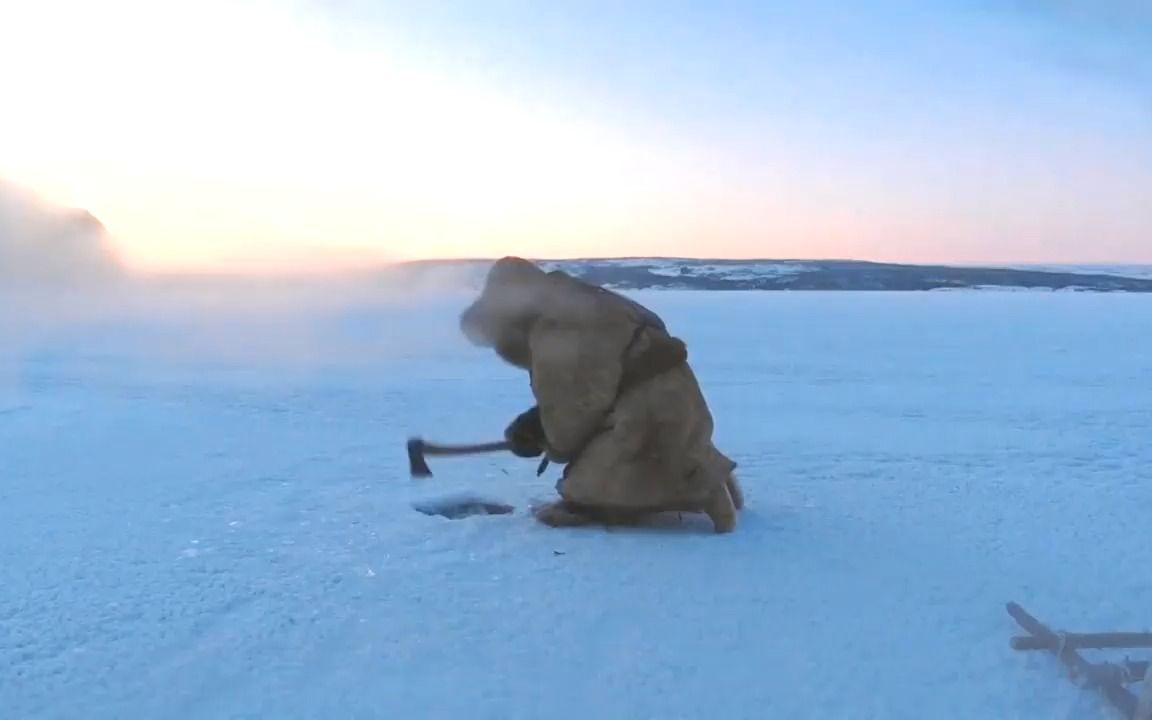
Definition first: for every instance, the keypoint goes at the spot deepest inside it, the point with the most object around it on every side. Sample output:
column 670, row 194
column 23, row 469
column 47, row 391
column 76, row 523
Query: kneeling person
column 616, row 401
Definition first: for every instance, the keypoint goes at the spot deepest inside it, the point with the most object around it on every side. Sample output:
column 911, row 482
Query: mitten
column 525, row 434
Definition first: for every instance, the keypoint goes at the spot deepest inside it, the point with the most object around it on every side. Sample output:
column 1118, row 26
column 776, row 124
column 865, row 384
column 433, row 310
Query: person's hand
column 525, row 434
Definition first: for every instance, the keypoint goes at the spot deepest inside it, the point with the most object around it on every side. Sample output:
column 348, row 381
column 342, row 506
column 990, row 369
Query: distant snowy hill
column 703, row 274
column 1137, row 271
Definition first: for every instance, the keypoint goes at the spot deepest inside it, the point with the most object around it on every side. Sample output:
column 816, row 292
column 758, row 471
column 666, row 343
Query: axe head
column 417, row 465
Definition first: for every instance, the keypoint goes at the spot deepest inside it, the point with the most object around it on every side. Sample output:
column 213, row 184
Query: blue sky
column 952, row 130
column 1031, row 121
column 709, row 66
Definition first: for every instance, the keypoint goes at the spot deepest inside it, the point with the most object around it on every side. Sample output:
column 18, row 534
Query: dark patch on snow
column 458, row 507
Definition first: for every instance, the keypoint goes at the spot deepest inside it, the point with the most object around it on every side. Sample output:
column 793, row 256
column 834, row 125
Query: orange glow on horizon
column 296, row 143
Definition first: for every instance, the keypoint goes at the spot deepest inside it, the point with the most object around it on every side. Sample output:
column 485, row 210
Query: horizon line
column 273, row 272
column 768, row 259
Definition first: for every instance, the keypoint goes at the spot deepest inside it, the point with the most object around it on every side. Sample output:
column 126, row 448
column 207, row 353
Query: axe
column 419, row 449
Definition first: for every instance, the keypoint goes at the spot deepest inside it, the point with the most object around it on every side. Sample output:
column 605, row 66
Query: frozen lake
column 205, row 513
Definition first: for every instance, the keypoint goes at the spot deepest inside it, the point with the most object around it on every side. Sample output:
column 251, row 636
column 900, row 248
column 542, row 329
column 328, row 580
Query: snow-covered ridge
column 845, row 275
column 1133, row 271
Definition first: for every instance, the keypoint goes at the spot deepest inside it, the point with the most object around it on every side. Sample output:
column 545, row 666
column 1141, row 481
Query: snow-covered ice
column 205, row 513
column 1132, row 271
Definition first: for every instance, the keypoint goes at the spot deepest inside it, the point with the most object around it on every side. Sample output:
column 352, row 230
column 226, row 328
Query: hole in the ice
column 455, row 508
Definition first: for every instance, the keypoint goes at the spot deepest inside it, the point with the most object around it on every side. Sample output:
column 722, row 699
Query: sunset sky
column 224, row 133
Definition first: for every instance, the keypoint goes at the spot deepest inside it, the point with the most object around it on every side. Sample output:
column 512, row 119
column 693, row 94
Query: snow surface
column 205, row 513
column 1133, row 271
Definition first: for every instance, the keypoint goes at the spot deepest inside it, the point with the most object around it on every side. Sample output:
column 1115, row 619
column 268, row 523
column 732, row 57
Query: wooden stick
column 1137, row 670
column 1087, row 640
column 1144, row 707
column 1125, row 673
column 1107, row 682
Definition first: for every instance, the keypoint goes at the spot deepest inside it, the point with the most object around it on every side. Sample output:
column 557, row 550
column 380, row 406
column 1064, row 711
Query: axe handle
column 434, row 449
column 419, row 450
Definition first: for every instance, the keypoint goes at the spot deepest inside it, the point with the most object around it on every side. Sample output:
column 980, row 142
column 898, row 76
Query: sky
column 256, row 134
